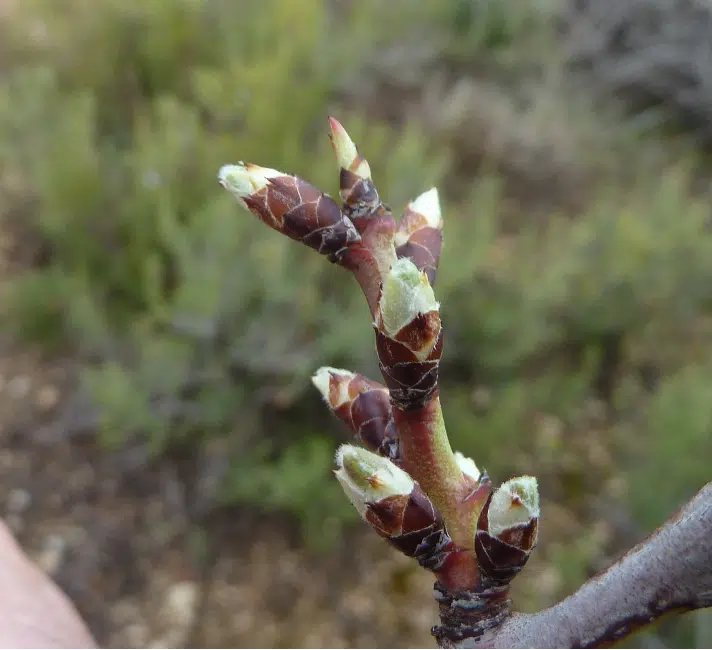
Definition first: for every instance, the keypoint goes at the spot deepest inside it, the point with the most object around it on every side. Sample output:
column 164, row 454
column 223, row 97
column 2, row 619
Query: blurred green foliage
column 196, row 323
column 116, row 118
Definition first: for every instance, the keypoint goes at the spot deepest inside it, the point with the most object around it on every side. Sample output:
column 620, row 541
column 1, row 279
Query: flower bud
column 419, row 235
column 361, row 200
column 368, row 478
column 362, row 404
column 507, row 529
column 408, row 335
column 395, row 506
column 406, row 295
column 291, row 206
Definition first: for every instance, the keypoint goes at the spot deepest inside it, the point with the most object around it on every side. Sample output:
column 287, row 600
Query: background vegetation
column 575, row 281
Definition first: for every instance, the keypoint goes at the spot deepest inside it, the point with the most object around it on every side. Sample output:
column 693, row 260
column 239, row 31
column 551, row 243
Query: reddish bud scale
column 412, row 525
column 419, row 236
column 502, row 557
column 423, row 248
column 411, row 379
column 296, row 208
column 360, row 197
column 480, row 495
column 367, row 413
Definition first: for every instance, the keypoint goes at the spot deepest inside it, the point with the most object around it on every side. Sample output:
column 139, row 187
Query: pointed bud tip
column 467, row 466
column 406, row 293
column 514, row 503
column 346, row 151
column 428, row 204
column 245, row 179
column 322, row 380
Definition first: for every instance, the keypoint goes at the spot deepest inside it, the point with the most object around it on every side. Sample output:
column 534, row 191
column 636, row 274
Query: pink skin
column 34, row 613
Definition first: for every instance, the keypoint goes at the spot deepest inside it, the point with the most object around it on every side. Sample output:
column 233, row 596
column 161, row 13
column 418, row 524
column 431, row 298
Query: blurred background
column 163, row 454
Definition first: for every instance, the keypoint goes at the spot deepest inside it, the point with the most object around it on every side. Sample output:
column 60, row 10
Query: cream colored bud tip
column 368, row 478
column 406, row 293
column 322, row 380
column 515, row 503
column 246, row 179
column 346, row 151
column 428, row 204
column 467, row 466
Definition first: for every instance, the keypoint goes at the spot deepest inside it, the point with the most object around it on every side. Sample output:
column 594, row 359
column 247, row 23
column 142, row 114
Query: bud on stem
column 399, row 511
column 419, row 235
column 507, row 529
column 293, row 207
column 359, row 194
column 362, row 204
column 300, row 211
column 408, row 336
column 364, row 406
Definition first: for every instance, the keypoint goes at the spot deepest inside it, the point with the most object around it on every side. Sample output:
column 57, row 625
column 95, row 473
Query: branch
column 671, row 571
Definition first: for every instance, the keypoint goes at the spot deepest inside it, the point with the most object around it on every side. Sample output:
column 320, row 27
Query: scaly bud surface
column 362, row 404
column 419, row 234
column 293, row 207
column 361, row 200
column 396, row 507
column 408, row 335
column 507, row 529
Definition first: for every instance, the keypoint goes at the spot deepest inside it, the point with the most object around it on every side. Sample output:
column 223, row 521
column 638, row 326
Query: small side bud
column 360, row 197
column 467, row 466
column 363, row 405
column 293, row 207
column 423, row 212
column 507, row 529
column 419, row 234
column 514, row 504
column 394, row 505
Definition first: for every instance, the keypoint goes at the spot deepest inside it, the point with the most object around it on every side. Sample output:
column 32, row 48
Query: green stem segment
column 427, row 456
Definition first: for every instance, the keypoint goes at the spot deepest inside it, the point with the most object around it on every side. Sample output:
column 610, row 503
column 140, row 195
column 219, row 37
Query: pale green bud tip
column 345, row 150
column 515, row 503
column 322, row 380
column 467, row 466
column 245, row 179
column 406, row 293
column 428, row 204
column 368, row 478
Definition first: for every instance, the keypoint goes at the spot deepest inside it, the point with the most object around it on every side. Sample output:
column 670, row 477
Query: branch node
column 469, row 614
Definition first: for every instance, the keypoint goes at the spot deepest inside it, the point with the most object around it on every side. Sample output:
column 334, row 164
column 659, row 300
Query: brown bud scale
column 303, row 213
column 503, row 556
column 360, row 197
column 413, row 526
column 367, row 413
column 410, row 380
